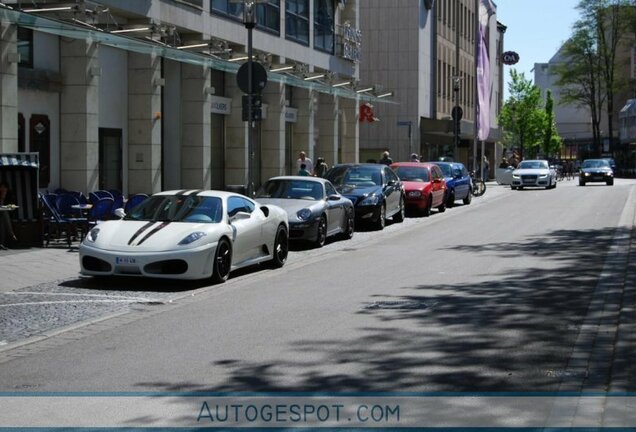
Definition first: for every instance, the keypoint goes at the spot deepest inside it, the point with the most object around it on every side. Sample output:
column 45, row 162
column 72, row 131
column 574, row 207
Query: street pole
column 249, row 19
column 456, row 80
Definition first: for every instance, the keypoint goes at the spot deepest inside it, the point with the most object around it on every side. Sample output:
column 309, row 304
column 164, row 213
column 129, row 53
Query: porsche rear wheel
column 281, row 247
column 222, row 262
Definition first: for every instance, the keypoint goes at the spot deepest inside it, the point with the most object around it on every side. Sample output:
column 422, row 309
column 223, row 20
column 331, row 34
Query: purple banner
column 484, row 84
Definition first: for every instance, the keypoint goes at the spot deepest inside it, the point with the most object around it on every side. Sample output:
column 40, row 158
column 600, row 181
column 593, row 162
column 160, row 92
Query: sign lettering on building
column 291, row 115
column 351, row 42
column 221, row 105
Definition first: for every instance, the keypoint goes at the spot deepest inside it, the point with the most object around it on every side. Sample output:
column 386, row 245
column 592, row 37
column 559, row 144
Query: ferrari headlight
column 192, row 238
column 304, row 214
column 371, row 200
column 92, row 235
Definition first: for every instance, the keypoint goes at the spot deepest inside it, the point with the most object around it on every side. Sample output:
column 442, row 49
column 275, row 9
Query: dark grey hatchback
column 596, row 170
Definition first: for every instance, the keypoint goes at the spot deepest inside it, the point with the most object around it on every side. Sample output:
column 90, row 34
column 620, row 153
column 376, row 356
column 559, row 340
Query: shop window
column 324, row 25
column 297, row 20
column 25, row 47
column 267, row 14
column 110, row 159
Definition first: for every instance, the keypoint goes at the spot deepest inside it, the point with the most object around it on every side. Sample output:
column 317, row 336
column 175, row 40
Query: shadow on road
column 511, row 332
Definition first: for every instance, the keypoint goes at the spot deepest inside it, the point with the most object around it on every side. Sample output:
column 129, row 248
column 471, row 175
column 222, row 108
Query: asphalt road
column 503, row 295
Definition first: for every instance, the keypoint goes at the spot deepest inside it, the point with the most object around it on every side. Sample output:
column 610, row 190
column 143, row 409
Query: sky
column 536, row 30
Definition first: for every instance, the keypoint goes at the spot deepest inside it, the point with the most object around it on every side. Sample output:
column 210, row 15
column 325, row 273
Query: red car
column 424, row 185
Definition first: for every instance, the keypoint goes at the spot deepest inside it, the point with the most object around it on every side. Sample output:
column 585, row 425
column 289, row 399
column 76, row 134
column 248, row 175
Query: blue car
column 458, row 182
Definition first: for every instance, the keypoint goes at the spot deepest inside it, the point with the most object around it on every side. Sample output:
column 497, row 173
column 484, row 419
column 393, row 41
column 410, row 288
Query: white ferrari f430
column 187, row 235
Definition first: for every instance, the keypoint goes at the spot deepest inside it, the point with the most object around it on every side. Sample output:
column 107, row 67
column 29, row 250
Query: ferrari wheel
column 281, row 247
column 321, row 233
column 222, row 262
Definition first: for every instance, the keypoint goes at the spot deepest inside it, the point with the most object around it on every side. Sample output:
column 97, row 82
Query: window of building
column 324, row 20
column 297, row 20
column 267, row 14
column 25, row 47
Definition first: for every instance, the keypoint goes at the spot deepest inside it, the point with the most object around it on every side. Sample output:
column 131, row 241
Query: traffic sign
column 259, row 77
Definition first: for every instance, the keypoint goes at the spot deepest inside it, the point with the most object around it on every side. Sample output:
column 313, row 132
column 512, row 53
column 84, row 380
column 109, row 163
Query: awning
column 27, row 160
column 64, row 29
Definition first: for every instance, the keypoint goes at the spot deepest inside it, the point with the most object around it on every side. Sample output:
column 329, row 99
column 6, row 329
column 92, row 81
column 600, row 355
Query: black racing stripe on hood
column 139, row 232
column 153, row 232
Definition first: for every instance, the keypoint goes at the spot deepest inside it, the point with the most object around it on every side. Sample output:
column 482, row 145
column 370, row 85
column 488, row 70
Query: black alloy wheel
column 321, row 232
column 281, row 247
column 222, row 262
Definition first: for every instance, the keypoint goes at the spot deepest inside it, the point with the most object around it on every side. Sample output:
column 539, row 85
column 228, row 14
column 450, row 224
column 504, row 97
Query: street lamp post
column 456, row 114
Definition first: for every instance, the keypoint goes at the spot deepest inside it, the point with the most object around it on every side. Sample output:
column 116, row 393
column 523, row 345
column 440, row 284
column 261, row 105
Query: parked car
column 315, row 209
column 534, row 173
column 596, row 170
column 424, row 186
column 374, row 189
column 612, row 164
column 187, row 235
column 458, row 182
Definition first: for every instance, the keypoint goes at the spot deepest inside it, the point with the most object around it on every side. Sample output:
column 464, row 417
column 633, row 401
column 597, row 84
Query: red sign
column 510, row 58
column 366, row 113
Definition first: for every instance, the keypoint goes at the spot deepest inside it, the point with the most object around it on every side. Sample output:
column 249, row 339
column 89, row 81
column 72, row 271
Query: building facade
column 142, row 96
column 426, row 51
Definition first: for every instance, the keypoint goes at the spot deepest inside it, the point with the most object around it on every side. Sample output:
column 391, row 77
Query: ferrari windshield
column 291, row 189
column 178, row 208
column 533, row 165
column 596, row 163
column 415, row 174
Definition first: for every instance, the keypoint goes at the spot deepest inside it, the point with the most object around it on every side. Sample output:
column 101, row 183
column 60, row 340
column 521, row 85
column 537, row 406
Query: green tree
column 589, row 73
column 551, row 141
column 522, row 116
column 579, row 76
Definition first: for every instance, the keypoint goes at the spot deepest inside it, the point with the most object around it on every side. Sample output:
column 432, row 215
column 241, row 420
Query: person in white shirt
column 303, row 159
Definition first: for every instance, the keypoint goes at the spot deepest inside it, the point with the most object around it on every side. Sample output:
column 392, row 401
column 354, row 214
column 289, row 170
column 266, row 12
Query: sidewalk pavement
column 21, row 268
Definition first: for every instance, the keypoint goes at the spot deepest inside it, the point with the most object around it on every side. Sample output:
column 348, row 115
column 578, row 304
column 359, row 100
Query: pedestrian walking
column 303, row 171
column 386, row 158
column 303, row 159
column 321, row 168
column 486, row 169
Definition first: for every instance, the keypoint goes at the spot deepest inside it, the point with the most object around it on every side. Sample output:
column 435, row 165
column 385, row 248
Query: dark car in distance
column 315, row 210
column 596, row 170
column 374, row 189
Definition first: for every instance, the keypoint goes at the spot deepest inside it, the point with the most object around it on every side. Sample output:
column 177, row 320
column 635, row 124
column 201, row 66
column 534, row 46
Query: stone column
column 144, row 123
column 8, row 88
column 273, row 132
column 350, row 145
column 235, row 136
column 195, row 127
column 79, row 115
column 328, row 129
column 304, row 130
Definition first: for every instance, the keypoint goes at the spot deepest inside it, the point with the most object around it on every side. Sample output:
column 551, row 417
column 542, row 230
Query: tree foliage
column 589, row 73
column 523, row 116
column 551, row 144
